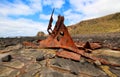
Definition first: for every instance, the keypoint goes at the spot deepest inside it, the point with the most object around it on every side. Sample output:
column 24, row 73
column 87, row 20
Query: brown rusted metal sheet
column 68, row 55
column 88, row 45
column 60, row 38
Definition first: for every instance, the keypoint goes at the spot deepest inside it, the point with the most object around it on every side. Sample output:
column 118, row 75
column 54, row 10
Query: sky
column 27, row 17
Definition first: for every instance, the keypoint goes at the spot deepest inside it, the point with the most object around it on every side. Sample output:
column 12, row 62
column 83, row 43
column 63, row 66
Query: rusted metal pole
column 49, row 29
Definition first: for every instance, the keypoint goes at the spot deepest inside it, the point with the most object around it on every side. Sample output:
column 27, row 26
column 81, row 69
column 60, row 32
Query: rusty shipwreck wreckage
column 60, row 38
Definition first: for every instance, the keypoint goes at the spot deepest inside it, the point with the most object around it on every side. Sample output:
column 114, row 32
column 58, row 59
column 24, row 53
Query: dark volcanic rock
column 6, row 58
column 78, row 68
column 5, row 42
column 40, row 58
column 29, row 62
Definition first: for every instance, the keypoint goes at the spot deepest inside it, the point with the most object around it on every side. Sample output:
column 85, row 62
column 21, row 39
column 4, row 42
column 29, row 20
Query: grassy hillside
column 106, row 24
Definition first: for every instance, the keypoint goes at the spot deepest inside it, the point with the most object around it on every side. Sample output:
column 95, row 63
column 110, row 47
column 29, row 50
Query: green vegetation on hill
column 106, row 24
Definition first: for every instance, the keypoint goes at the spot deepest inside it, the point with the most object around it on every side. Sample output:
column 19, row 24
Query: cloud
column 78, row 5
column 20, row 27
column 47, row 17
column 54, row 3
column 101, row 8
column 20, row 8
column 95, row 8
column 20, row 17
column 36, row 5
column 71, row 17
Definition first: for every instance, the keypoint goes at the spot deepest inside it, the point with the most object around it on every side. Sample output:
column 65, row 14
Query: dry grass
column 106, row 24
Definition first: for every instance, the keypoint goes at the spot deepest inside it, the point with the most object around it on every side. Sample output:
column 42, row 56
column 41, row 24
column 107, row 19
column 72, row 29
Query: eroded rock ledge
column 24, row 64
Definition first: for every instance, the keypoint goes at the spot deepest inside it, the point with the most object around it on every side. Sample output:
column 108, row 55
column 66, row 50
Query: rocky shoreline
column 107, row 40
column 29, row 62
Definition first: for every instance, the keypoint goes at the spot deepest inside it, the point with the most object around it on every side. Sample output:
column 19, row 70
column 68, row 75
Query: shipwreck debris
column 60, row 38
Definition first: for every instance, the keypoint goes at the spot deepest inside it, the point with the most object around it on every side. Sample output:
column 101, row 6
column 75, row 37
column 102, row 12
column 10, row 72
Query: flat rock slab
column 24, row 64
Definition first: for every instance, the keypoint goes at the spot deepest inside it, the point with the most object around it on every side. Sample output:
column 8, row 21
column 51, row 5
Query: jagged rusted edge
column 60, row 38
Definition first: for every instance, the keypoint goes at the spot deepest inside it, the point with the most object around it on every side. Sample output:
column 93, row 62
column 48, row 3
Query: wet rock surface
column 28, row 62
